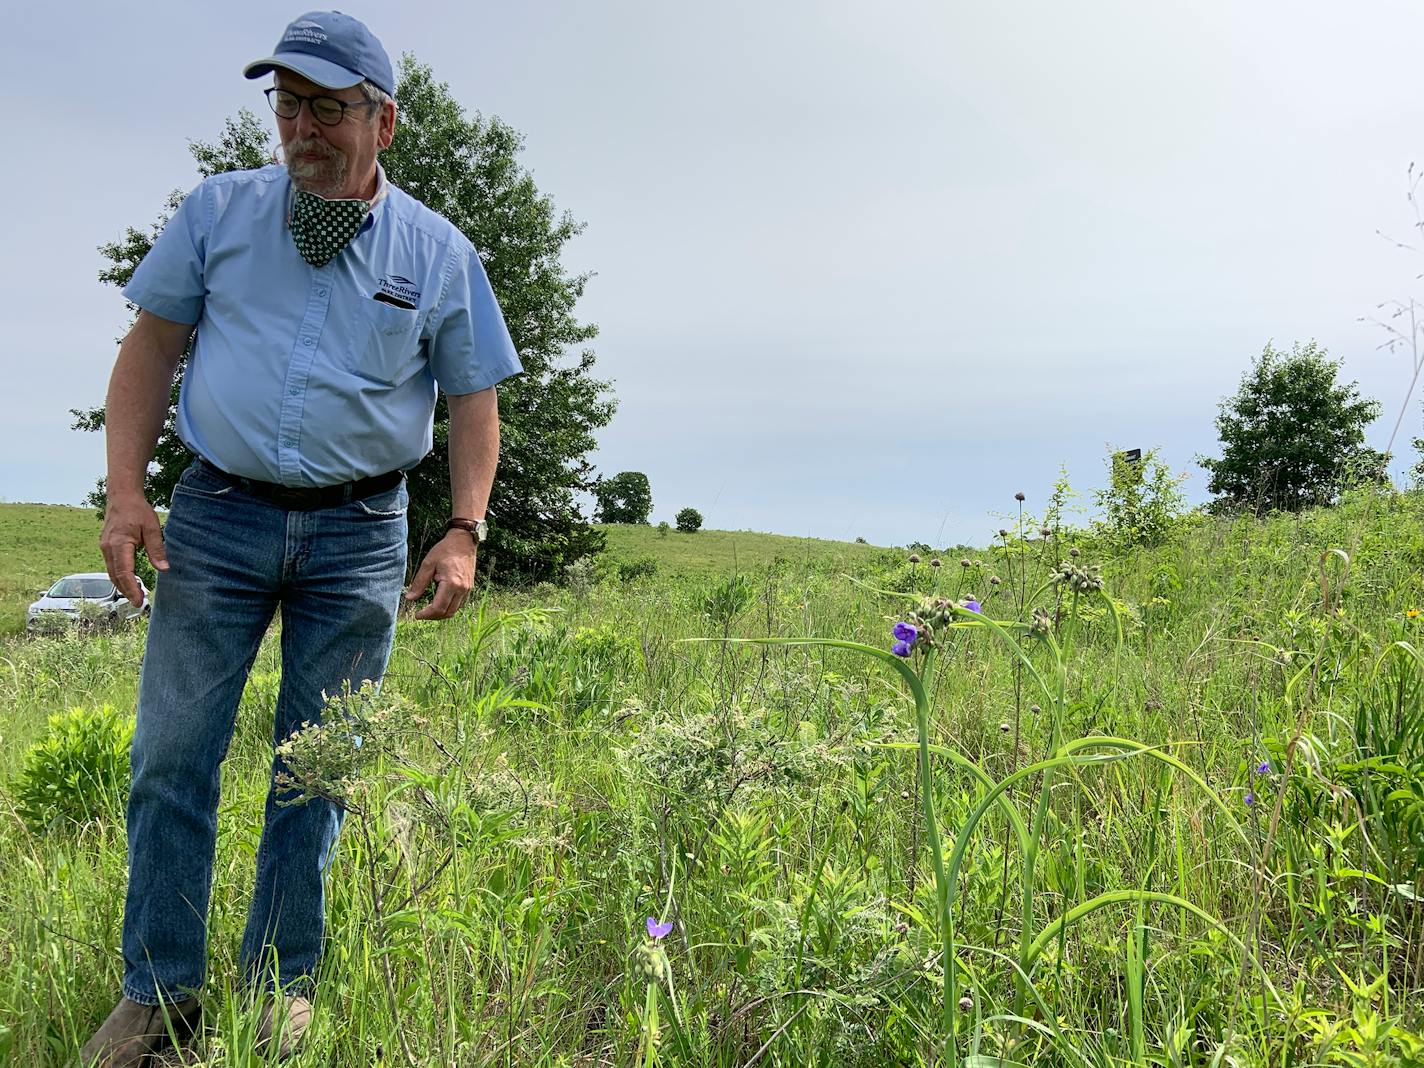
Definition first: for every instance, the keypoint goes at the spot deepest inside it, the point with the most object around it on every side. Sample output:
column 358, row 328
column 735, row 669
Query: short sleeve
column 470, row 348
column 169, row 281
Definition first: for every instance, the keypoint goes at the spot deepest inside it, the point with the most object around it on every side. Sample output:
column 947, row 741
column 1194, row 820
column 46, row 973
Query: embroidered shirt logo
column 398, row 290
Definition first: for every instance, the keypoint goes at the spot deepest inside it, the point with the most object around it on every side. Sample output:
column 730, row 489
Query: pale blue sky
column 861, row 269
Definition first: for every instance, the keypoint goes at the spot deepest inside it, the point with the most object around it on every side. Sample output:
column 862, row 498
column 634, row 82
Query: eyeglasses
column 327, row 110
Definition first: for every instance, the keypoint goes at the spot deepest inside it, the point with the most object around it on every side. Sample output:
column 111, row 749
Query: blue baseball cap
column 334, row 50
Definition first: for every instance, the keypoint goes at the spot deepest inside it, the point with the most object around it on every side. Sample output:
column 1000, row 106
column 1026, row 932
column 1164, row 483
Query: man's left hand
column 451, row 566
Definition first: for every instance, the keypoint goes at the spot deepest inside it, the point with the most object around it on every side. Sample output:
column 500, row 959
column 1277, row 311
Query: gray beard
column 322, row 177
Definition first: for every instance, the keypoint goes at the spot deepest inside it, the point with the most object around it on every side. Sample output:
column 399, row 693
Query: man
column 326, row 308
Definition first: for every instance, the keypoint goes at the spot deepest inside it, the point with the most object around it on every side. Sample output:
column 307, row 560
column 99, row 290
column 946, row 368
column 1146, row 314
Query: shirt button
column 293, row 392
column 321, row 292
column 306, row 341
column 290, row 444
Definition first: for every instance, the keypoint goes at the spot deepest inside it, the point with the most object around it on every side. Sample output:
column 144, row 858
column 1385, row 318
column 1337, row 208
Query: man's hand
column 130, row 522
column 451, row 566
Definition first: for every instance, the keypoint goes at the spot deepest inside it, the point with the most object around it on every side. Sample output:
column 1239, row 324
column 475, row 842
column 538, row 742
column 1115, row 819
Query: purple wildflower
column 1250, row 798
column 658, row 930
column 1263, row 768
column 972, row 605
column 905, row 632
column 901, row 649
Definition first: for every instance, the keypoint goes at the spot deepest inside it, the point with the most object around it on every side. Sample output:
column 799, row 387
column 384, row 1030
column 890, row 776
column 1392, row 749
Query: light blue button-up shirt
column 311, row 376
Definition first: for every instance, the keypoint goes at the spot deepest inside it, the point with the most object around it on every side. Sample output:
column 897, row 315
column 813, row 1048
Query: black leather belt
column 308, row 498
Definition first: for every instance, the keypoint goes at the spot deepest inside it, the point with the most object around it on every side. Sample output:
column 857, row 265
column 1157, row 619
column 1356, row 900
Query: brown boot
column 134, row 1032
column 285, row 1019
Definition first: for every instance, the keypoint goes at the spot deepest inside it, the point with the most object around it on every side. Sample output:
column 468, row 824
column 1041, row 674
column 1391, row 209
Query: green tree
column 465, row 167
column 689, row 520
column 1291, row 435
column 1141, row 502
column 625, row 498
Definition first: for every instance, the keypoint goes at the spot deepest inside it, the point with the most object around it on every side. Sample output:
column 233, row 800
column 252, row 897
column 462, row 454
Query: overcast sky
column 861, row 269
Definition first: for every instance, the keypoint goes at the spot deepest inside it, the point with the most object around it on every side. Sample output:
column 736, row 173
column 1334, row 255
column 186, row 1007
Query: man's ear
column 387, row 132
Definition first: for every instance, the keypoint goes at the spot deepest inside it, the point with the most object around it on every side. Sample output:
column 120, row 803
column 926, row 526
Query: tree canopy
column 625, row 498
column 1291, row 435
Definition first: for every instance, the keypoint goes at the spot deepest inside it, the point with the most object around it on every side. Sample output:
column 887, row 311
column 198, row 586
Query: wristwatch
column 477, row 528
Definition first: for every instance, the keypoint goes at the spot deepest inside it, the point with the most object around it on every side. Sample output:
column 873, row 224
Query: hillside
column 40, row 542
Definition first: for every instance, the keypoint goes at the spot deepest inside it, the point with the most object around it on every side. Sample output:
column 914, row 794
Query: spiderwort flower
column 1263, row 768
column 1250, row 798
column 901, row 648
column 972, row 605
column 658, row 930
column 905, row 632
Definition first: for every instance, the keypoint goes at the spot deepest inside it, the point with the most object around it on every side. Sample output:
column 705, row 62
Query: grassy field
column 1178, row 821
column 721, row 552
column 38, row 544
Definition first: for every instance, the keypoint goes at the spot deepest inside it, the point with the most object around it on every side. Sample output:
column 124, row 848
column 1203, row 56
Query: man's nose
column 307, row 126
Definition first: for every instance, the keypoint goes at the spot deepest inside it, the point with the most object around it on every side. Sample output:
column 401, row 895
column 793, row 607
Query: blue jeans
column 336, row 575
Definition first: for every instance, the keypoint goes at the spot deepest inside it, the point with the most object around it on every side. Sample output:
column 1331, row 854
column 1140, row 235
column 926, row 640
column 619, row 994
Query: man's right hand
column 128, row 523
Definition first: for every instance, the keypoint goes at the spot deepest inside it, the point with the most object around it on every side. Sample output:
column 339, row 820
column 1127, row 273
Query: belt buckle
column 292, row 498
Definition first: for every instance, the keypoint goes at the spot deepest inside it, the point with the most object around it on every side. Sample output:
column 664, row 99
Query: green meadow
column 1145, row 806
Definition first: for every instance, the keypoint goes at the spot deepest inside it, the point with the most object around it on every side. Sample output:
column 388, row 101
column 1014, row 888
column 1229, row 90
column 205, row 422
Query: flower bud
column 934, row 561
column 914, row 558
column 1074, row 553
column 966, row 1003
column 964, row 563
column 1035, row 709
column 1019, row 497
column 1003, row 533
column 1003, row 728
column 995, row 580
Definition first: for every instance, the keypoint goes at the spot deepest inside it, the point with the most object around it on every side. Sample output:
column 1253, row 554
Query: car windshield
column 95, row 589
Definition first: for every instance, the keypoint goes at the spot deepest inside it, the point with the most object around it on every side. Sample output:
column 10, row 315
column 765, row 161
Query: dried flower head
column 1019, row 497
column 914, row 558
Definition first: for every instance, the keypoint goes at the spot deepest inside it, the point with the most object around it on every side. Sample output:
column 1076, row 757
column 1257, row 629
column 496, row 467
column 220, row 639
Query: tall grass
column 1018, row 847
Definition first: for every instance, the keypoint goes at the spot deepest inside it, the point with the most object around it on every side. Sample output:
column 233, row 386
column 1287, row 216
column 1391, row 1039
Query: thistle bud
column 966, row 1003
column 1045, row 533
column 995, row 580
column 965, row 563
column 1003, row 533
column 1074, row 553
column 1019, row 497
column 914, row 558
column 648, row 964
column 934, row 561
column 1035, row 709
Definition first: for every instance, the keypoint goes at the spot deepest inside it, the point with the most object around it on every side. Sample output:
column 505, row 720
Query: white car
column 67, row 598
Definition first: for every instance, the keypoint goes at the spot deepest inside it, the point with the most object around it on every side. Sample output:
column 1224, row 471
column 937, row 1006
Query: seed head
column 966, row 1003
column 1003, row 728
column 914, row 558
column 1074, row 553
column 1045, row 533
column 1035, row 709
column 995, row 580
column 964, row 562
column 1019, row 496
column 1003, row 533
column 934, row 561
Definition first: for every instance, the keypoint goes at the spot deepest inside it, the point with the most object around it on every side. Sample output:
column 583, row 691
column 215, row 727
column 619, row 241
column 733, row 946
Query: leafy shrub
column 79, row 770
column 632, row 570
column 728, row 599
column 1141, row 502
column 664, row 529
column 689, row 520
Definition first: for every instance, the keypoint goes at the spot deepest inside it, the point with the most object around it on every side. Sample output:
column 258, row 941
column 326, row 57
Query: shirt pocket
column 386, row 347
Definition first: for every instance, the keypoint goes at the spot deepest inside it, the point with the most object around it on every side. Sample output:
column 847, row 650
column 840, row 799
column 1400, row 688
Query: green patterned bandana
column 322, row 228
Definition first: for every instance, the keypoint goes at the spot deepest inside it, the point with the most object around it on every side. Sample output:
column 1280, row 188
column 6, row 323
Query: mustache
column 309, row 145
